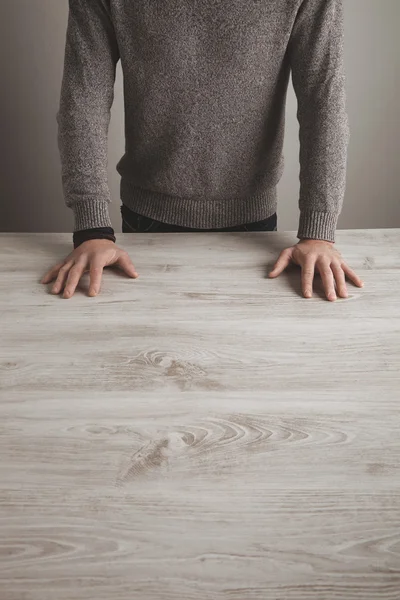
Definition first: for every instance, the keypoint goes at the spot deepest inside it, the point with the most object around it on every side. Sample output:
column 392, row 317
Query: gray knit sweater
column 205, row 88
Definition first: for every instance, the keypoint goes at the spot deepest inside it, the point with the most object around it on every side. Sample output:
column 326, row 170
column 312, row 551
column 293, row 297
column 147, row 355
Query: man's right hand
column 92, row 256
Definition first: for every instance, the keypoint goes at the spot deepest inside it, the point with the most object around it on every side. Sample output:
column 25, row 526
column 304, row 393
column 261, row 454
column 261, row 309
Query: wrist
column 97, row 233
column 313, row 240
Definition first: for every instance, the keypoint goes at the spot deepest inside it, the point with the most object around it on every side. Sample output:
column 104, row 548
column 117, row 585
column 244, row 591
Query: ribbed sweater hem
column 89, row 213
column 317, row 225
column 199, row 213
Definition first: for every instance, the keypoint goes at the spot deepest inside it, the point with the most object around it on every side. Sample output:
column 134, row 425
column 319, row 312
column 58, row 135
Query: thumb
column 124, row 262
column 281, row 263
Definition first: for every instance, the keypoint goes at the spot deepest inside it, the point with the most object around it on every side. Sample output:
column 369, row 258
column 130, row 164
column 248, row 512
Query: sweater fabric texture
column 205, row 87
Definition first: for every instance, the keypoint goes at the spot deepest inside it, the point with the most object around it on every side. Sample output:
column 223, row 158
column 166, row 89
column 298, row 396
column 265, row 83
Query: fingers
column 281, row 263
column 307, row 276
column 69, row 272
column 350, row 273
column 73, row 278
column 61, row 277
column 51, row 273
column 96, row 273
column 331, row 269
column 125, row 263
column 324, row 268
column 340, row 279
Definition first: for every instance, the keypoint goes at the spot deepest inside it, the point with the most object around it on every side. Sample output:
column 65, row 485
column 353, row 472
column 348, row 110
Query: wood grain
column 201, row 432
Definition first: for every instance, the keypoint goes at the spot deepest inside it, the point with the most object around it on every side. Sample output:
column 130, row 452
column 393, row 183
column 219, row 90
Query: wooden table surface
column 202, row 432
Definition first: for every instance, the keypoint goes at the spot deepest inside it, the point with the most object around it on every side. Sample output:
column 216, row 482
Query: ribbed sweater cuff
column 317, row 225
column 89, row 214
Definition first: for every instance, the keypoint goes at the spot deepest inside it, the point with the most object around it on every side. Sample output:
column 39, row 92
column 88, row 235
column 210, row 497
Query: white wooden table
column 202, row 432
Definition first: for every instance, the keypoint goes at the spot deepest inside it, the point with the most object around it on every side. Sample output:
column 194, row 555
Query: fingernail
column 332, row 297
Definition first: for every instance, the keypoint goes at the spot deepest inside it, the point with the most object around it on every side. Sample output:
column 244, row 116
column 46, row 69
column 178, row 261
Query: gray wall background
column 32, row 38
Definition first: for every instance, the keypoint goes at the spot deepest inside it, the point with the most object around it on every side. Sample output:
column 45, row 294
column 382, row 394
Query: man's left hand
column 310, row 254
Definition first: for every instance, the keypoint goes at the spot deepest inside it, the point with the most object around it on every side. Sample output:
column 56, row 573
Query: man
column 205, row 87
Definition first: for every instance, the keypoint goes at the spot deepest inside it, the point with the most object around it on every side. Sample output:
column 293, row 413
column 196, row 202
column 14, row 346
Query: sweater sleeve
column 316, row 55
column 87, row 94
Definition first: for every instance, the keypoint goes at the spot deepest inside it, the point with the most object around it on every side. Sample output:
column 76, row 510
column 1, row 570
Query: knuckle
column 81, row 261
column 74, row 275
column 337, row 266
column 79, row 267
